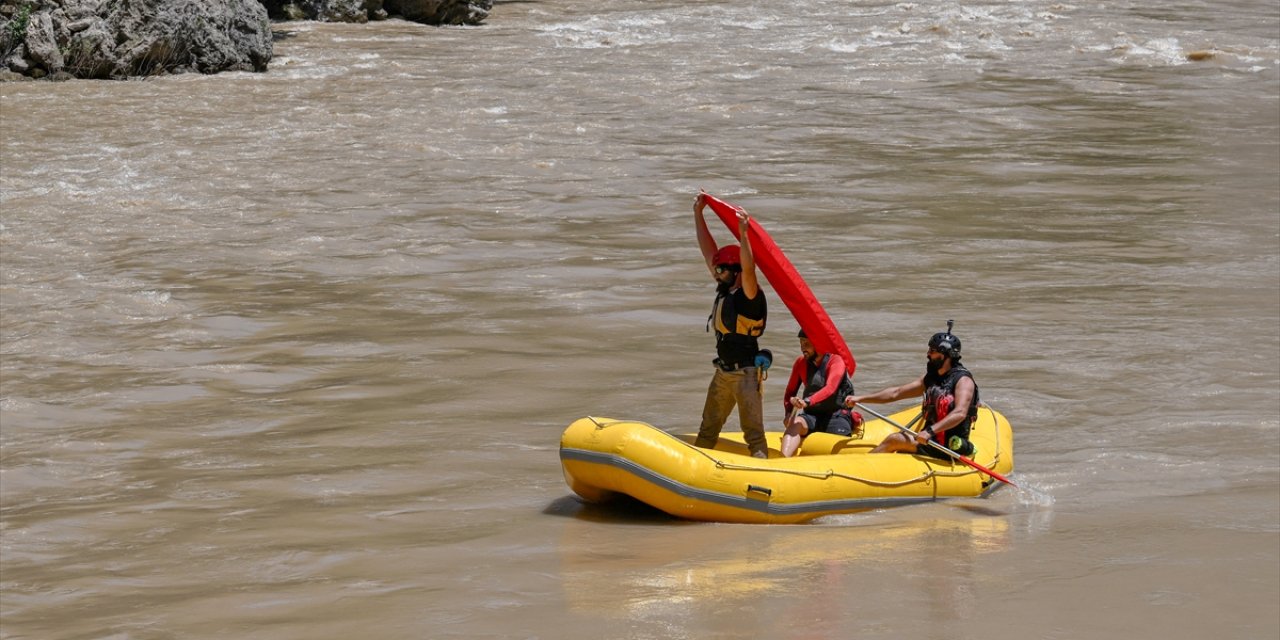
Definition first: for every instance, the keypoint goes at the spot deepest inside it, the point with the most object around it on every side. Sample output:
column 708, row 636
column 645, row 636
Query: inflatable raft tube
column 604, row 457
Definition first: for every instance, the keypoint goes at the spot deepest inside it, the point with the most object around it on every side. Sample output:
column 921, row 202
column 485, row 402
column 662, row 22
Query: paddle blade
column 981, row 468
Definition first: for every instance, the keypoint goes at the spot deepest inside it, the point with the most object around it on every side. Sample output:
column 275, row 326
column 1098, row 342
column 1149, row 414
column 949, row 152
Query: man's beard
column 934, row 366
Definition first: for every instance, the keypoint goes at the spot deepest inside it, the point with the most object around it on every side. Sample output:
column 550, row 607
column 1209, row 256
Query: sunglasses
column 721, row 268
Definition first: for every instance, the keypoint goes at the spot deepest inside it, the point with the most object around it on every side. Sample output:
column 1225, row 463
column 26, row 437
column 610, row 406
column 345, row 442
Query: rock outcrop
column 441, row 11
column 326, row 10
column 436, row 12
column 122, row 38
column 125, row 38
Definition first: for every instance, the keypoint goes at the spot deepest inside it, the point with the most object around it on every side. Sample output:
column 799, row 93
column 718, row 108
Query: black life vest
column 737, row 332
column 815, row 378
column 940, row 396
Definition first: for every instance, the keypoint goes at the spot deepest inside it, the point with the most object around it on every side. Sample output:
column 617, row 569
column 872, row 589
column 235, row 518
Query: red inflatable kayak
column 786, row 281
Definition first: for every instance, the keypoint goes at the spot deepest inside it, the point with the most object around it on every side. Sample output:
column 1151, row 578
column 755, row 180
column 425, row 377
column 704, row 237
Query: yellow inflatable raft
column 603, row 457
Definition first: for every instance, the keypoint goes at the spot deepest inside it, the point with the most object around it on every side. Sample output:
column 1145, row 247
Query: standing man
column 816, row 392
column 950, row 403
column 738, row 316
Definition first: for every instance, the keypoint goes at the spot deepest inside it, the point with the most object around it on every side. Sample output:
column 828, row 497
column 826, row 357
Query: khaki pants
column 728, row 389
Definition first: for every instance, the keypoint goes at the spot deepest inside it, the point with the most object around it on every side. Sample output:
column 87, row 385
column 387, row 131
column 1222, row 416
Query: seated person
column 950, row 404
column 819, row 405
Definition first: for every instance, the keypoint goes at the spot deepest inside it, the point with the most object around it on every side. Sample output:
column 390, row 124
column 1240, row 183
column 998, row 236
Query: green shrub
column 17, row 27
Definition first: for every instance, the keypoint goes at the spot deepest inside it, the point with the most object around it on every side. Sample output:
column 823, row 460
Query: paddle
column 788, row 436
column 795, row 411
column 945, row 450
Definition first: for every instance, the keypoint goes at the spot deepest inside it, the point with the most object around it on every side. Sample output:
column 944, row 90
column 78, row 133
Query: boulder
column 434, row 12
column 200, row 35
column 325, row 10
column 42, row 48
column 441, row 12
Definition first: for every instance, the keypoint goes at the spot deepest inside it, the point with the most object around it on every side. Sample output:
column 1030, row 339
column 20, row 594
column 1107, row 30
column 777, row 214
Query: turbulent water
column 288, row 355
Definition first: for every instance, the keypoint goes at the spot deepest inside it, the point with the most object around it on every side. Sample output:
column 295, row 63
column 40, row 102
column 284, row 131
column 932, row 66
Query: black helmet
column 946, row 343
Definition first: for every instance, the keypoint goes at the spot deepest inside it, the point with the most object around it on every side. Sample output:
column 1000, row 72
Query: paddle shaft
column 936, row 445
column 795, row 411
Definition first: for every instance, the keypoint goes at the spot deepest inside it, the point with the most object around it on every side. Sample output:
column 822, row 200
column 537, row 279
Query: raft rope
column 817, row 475
column 820, row 475
column 996, row 454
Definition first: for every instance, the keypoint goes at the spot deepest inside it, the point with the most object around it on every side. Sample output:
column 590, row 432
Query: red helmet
column 731, row 254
